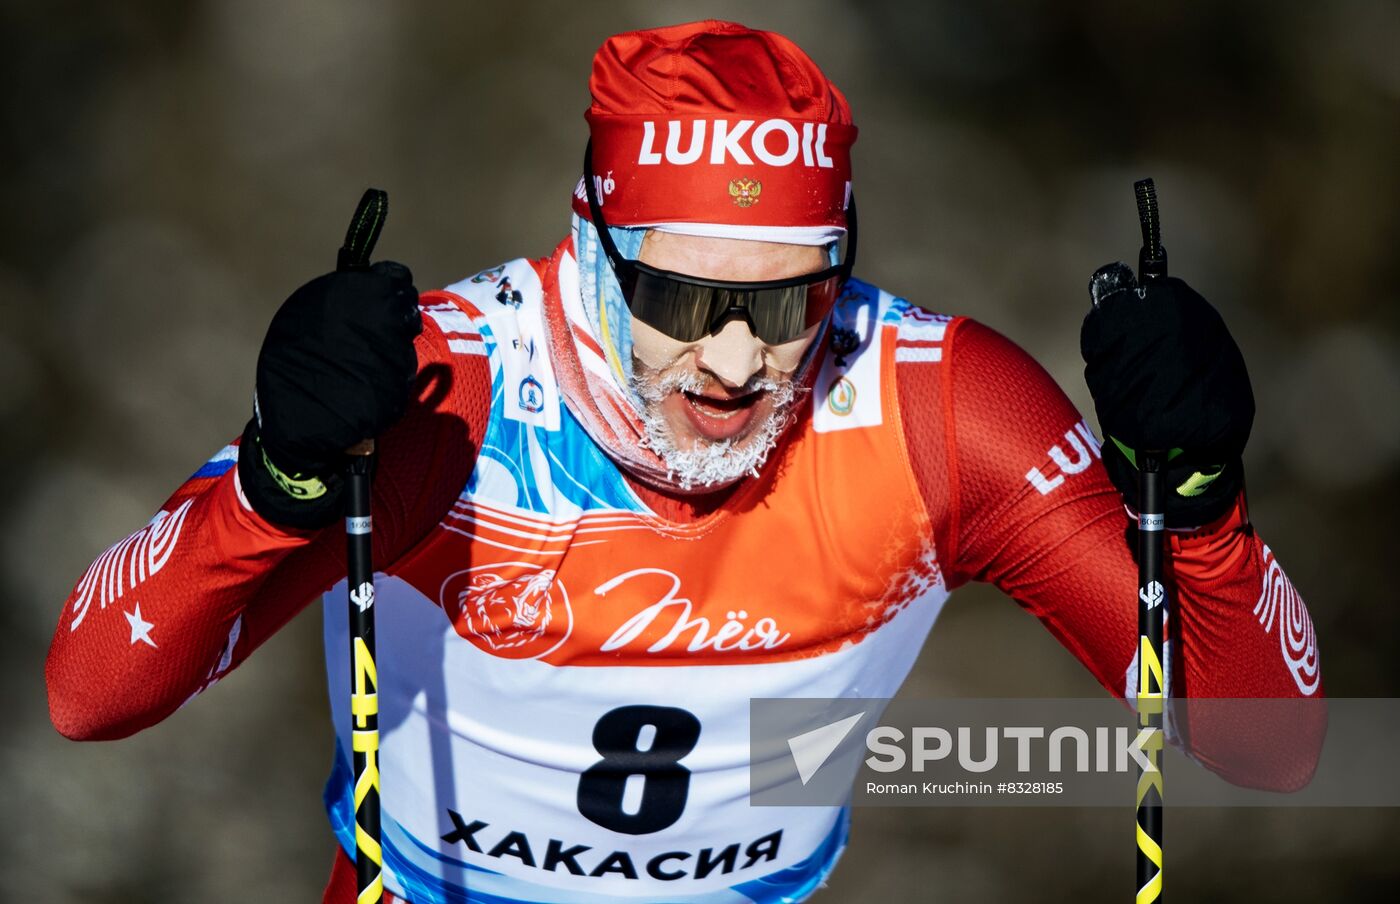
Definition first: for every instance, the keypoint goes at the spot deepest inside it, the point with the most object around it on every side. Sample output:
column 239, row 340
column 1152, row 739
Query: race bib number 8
column 641, row 748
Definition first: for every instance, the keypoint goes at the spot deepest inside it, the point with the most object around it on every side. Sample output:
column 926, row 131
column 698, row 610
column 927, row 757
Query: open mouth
column 721, row 418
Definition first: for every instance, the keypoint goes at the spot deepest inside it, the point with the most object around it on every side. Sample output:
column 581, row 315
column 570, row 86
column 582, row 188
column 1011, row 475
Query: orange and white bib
column 564, row 677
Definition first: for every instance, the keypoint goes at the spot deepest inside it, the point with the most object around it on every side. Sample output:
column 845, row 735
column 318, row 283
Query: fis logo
column 775, row 142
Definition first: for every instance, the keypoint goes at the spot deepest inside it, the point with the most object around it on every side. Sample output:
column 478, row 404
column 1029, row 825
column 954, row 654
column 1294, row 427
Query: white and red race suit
column 540, row 612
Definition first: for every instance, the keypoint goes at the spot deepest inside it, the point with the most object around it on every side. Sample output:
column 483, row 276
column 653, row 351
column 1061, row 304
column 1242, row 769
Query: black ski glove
column 1165, row 373
column 337, row 367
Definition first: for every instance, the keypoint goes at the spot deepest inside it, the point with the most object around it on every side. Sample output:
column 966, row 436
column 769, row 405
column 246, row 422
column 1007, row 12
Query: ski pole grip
column 360, row 239
column 1152, row 259
column 364, row 230
column 1152, row 266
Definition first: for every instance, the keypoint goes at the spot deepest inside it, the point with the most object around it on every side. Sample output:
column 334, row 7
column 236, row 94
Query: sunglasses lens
column 683, row 311
column 688, row 311
column 778, row 315
column 781, row 315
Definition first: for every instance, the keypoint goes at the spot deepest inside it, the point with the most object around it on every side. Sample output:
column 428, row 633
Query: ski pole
column 359, row 572
column 1152, row 597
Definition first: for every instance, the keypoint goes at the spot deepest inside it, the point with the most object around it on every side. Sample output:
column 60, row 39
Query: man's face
column 714, row 408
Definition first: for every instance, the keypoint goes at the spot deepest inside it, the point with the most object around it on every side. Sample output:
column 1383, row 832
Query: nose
column 733, row 355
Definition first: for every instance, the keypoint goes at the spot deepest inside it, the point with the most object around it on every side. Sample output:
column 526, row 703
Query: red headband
column 712, row 122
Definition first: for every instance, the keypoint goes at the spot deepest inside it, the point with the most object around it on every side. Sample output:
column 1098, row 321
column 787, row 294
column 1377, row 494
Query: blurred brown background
column 173, row 169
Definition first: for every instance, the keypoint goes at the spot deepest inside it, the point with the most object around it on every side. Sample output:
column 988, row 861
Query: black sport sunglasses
column 688, row 308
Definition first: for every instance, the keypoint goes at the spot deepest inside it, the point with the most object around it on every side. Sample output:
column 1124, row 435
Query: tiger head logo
column 745, row 192
column 504, row 614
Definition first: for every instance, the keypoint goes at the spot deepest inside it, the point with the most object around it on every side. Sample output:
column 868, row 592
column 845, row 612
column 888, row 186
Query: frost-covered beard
column 711, row 463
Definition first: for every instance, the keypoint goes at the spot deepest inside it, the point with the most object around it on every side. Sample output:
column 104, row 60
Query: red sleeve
column 1011, row 474
column 167, row 611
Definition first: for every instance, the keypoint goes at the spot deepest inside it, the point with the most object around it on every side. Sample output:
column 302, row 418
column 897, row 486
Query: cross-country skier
column 684, row 460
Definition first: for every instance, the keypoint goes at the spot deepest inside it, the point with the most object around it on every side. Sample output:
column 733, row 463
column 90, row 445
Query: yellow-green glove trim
column 295, row 485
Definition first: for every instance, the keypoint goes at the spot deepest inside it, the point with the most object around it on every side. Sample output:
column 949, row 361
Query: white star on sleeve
column 140, row 629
